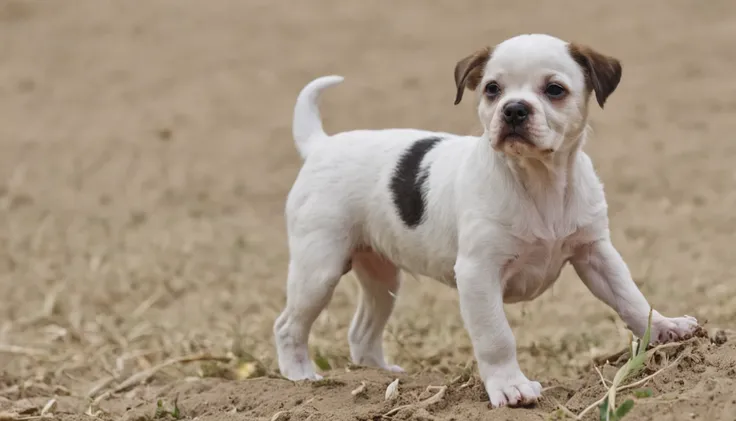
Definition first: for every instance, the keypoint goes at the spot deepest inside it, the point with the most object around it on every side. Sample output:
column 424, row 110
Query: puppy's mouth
column 516, row 141
column 511, row 134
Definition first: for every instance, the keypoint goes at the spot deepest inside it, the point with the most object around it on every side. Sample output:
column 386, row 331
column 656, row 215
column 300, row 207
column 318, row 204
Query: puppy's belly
column 529, row 284
column 430, row 250
column 525, row 278
column 417, row 258
column 528, row 276
column 526, row 283
column 438, row 266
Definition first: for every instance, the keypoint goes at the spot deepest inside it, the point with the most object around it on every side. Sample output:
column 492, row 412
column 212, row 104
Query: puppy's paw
column 296, row 371
column 394, row 369
column 514, row 391
column 295, row 377
column 666, row 329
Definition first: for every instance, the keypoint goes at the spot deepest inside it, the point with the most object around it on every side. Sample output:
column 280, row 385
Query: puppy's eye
column 492, row 89
column 554, row 91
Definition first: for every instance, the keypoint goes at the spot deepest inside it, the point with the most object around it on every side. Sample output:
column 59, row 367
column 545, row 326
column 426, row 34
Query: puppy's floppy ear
column 602, row 73
column 469, row 71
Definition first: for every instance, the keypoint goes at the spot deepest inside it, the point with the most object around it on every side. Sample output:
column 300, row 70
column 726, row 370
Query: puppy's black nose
column 515, row 113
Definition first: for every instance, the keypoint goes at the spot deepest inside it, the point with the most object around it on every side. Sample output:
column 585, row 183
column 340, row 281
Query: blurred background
column 146, row 154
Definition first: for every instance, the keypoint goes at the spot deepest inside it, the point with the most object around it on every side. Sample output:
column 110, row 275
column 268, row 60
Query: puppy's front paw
column 512, row 390
column 666, row 329
column 394, row 369
column 299, row 376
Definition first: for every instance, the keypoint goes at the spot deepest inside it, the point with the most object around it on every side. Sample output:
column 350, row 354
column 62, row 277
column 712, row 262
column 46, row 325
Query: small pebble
column 719, row 338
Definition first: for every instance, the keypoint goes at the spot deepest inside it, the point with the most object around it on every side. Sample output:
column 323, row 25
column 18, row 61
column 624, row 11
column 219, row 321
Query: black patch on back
column 407, row 183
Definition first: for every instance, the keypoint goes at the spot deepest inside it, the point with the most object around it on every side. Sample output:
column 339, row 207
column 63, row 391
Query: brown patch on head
column 469, row 71
column 602, row 73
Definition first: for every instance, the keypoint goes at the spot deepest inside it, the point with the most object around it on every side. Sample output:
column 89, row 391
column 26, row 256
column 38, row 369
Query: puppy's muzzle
column 515, row 113
column 515, row 116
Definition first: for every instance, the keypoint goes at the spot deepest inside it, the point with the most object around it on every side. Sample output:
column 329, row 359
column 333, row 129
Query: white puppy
column 497, row 216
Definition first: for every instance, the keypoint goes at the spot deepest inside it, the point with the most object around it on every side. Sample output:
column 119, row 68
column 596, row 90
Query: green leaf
column 643, row 393
column 176, row 413
column 647, row 336
column 636, row 363
column 604, row 410
column 321, row 361
column 160, row 411
column 623, row 409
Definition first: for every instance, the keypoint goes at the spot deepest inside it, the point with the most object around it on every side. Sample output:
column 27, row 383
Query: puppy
column 496, row 216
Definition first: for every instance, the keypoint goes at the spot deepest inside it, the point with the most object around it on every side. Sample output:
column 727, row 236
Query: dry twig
column 440, row 393
column 600, row 375
column 144, row 375
column 359, row 390
column 20, row 350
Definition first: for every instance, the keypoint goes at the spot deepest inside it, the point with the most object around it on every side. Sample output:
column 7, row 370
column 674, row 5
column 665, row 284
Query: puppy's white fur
column 503, row 215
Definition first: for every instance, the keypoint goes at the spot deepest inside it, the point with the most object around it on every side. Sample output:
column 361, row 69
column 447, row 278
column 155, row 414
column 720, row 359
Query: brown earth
column 145, row 156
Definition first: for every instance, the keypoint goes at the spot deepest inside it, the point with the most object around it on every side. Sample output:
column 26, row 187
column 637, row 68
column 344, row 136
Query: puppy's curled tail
column 307, row 127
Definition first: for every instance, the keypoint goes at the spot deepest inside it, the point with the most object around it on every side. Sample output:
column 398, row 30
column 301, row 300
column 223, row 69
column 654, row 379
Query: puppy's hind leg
column 318, row 260
column 379, row 280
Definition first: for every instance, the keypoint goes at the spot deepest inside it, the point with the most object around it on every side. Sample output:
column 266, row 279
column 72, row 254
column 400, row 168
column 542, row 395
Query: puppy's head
column 534, row 91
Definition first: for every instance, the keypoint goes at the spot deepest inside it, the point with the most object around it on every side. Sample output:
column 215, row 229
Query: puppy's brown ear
column 469, row 71
column 602, row 73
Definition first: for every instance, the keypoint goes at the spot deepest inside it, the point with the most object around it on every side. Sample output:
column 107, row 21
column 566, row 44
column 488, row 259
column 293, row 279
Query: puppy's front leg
column 481, row 304
column 604, row 272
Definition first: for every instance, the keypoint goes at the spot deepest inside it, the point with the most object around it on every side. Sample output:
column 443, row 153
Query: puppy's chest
column 536, row 266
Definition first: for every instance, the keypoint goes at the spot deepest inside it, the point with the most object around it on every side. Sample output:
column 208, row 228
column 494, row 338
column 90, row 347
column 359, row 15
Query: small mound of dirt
column 688, row 380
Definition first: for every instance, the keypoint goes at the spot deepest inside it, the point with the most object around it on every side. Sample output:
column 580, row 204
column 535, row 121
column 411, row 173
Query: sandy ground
column 145, row 156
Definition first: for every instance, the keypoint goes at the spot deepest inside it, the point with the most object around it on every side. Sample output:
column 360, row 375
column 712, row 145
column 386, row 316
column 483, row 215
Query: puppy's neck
column 547, row 181
column 534, row 173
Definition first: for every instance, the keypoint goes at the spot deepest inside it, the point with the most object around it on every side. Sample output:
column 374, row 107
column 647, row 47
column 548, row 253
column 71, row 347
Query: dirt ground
column 145, row 157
